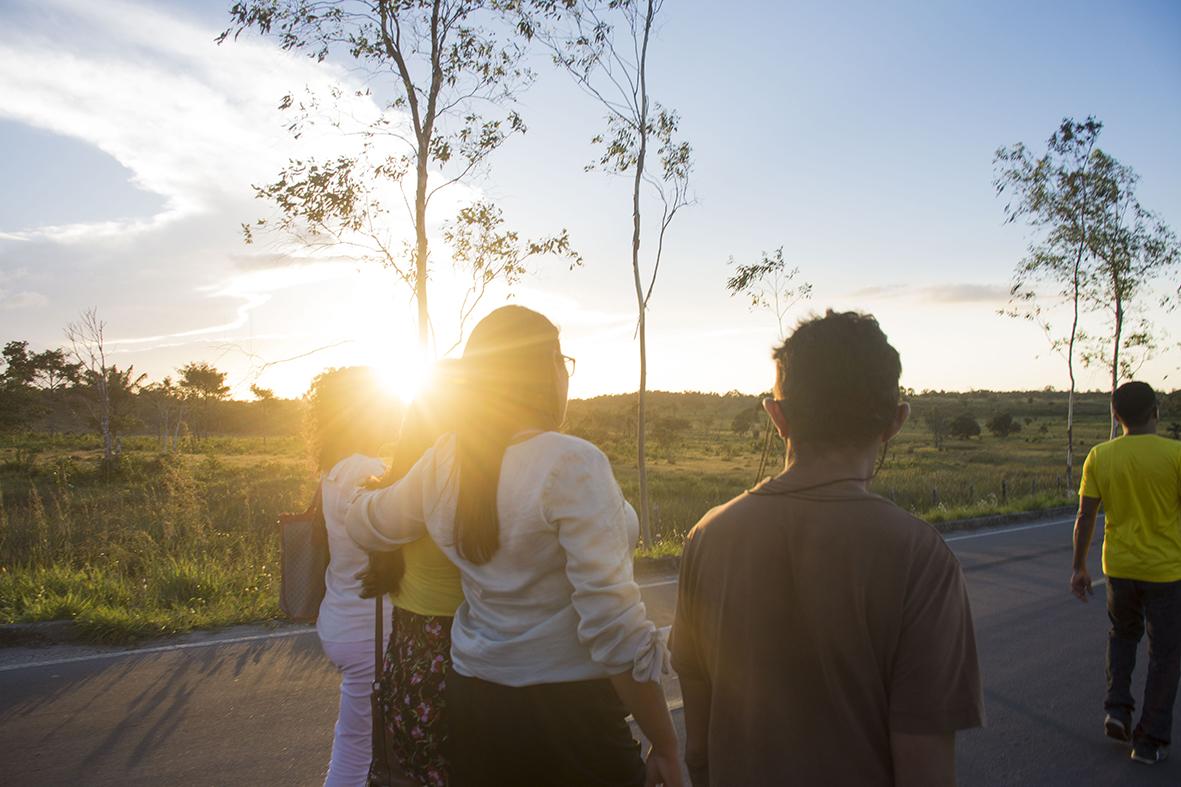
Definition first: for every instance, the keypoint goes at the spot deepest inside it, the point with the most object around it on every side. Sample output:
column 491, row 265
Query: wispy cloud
column 937, row 293
column 193, row 123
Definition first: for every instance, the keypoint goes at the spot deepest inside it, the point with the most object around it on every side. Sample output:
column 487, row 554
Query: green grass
column 170, row 543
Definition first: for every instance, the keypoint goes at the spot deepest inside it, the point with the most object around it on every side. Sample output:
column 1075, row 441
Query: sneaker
column 1149, row 752
column 1117, row 728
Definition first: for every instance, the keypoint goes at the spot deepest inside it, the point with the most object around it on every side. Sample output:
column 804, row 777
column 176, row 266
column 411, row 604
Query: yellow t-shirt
column 430, row 585
column 1138, row 478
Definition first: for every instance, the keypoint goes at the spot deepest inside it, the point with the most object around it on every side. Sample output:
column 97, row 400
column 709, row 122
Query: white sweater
column 558, row 601
column 344, row 615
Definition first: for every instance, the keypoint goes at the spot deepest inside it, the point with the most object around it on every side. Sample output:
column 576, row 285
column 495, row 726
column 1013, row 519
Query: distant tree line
column 55, row 391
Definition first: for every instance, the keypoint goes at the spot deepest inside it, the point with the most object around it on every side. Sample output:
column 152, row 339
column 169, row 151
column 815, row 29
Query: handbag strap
column 378, row 641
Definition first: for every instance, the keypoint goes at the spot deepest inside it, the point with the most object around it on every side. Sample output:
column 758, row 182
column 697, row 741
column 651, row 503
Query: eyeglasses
column 569, row 362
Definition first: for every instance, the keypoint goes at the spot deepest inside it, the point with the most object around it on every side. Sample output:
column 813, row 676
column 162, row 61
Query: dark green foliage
column 964, row 426
column 1003, row 424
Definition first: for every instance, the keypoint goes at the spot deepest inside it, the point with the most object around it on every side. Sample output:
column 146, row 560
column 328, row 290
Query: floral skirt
column 416, row 663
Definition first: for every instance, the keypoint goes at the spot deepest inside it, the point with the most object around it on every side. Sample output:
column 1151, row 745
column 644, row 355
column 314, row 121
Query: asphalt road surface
column 252, row 707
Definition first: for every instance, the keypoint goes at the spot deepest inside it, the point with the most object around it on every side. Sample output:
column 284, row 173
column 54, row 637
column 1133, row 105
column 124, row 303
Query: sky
column 858, row 137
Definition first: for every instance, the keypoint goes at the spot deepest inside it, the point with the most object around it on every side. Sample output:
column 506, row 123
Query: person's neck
column 815, row 467
column 1148, row 428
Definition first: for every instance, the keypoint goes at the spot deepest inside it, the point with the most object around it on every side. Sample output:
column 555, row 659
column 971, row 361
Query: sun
column 404, row 375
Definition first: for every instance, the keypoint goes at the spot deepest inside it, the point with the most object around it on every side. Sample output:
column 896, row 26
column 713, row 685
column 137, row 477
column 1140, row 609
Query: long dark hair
column 510, row 383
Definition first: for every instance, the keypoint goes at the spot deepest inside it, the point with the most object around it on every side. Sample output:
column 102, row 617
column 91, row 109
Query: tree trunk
column 1070, row 369
column 641, row 409
column 1119, row 329
column 421, row 250
column 104, row 403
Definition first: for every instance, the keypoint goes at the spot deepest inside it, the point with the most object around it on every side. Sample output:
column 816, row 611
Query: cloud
column 938, row 293
column 194, row 123
column 22, row 300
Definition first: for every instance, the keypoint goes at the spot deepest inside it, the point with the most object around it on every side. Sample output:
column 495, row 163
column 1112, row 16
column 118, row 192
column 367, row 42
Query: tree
column 203, row 386
column 54, row 371
column 439, row 65
column 1133, row 248
column 265, row 403
column 1055, row 196
column 88, row 348
column 938, row 424
column 747, row 420
column 1003, row 424
column 609, row 61
column 964, row 427
column 770, row 285
column 168, row 405
column 1175, row 430
column 109, row 399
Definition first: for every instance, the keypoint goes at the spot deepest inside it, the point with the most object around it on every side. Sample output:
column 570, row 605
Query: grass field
column 174, row 542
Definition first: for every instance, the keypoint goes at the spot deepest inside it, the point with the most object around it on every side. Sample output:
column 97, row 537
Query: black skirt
column 549, row 735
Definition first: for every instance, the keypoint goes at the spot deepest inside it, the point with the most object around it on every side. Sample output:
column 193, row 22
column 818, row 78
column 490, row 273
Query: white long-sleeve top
column 558, row 601
column 344, row 615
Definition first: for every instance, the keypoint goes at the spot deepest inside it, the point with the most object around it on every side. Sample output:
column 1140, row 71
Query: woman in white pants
column 348, row 419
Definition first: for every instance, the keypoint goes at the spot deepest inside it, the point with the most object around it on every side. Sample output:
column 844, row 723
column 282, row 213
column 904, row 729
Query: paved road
column 260, row 711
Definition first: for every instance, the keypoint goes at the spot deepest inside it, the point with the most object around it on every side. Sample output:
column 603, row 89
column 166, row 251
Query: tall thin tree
column 1053, row 194
column 442, row 64
column 604, row 45
column 1133, row 249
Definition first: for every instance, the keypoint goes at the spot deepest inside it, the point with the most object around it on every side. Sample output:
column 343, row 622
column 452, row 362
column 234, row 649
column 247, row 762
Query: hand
column 1080, row 585
column 383, row 575
column 663, row 767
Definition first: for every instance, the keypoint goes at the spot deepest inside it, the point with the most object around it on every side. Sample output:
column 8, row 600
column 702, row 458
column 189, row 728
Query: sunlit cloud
column 193, row 123
column 938, row 293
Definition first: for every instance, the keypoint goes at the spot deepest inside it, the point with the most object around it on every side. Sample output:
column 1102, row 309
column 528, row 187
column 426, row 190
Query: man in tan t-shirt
column 822, row 634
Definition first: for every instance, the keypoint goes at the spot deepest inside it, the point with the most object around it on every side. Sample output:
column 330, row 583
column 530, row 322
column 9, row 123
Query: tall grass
column 175, row 542
column 169, row 544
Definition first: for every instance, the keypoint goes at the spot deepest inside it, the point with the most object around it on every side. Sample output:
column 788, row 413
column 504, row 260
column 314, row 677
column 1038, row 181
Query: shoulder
column 560, row 444
column 352, row 470
column 567, row 455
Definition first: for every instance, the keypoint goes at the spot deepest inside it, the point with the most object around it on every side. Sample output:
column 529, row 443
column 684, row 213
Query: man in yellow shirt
column 1137, row 478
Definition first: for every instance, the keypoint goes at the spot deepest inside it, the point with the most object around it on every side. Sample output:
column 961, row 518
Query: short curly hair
column 836, row 379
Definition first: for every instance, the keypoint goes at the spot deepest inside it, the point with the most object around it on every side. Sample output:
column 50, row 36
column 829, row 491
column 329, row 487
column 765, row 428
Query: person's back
column 823, row 620
column 1138, row 478
column 822, row 634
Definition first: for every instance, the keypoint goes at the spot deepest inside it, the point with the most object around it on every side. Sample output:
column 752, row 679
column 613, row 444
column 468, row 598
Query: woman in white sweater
column 348, row 421
column 552, row 646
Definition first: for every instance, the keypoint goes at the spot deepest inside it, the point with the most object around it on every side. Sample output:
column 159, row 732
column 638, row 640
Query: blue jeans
column 1134, row 606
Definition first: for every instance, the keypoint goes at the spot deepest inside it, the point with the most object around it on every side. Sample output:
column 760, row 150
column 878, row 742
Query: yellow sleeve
column 1090, row 483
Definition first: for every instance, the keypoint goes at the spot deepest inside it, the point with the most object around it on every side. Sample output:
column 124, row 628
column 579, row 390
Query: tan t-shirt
column 821, row 621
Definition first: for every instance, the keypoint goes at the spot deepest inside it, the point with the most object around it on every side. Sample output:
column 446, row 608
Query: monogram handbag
column 303, row 549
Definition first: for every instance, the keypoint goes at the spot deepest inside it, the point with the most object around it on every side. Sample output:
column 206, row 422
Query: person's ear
column 774, row 410
column 901, row 415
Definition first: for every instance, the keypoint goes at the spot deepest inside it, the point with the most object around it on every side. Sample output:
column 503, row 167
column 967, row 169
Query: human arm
column 647, row 705
column 380, row 520
column 696, row 696
column 595, row 528
column 1084, row 531
column 923, row 760
column 687, row 661
column 934, row 687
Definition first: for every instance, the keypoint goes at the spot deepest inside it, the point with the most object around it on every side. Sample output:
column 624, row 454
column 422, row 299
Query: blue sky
column 859, row 137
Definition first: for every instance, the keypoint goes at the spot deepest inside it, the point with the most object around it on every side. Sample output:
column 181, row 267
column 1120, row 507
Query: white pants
column 352, row 745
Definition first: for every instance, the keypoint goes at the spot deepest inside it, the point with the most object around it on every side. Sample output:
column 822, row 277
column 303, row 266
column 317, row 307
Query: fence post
column 934, row 496
column 1004, row 489
column 971, row 493
column 1033, row 486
